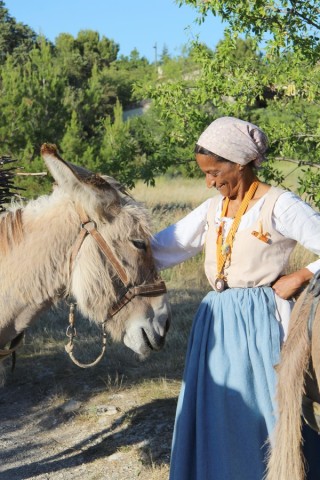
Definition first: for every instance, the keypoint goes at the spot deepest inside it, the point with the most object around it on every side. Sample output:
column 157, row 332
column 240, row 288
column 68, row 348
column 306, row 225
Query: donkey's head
column 112, row 273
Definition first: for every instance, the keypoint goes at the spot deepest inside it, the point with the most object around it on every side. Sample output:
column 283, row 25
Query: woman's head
column 227, row 152
column 222, row 174
column 238, row 141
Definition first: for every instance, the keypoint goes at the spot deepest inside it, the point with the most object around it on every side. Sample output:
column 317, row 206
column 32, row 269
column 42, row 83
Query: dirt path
column 112, row 422
column 92, row 431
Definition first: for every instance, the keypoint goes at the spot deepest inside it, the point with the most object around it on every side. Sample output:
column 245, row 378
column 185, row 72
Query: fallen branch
column 31, row 174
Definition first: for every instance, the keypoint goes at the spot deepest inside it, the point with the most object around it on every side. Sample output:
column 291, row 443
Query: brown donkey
column 298, row 387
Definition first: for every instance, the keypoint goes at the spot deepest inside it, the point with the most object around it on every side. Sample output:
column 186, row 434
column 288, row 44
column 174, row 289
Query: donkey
column 88, row 240
column 298, row 392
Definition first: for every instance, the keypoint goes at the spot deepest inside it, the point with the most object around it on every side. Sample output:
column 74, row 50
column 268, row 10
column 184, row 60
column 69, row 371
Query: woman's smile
column 227, row 177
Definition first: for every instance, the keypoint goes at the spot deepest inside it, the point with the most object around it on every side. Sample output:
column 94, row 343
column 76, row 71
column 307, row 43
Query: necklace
column 224, row 248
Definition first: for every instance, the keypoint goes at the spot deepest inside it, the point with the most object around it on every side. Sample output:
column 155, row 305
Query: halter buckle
column 89, row 225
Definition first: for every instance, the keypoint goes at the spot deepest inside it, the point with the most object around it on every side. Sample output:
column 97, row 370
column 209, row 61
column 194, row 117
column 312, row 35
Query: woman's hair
column 204, row 151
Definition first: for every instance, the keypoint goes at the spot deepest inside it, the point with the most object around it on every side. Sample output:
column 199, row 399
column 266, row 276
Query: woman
column 225, row 411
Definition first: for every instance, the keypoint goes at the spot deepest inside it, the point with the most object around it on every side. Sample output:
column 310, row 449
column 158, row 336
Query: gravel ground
column 50, row 431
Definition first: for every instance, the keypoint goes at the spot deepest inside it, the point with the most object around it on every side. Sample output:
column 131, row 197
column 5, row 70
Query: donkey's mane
column 11, row 229
column 138, row 212
column 11, row 221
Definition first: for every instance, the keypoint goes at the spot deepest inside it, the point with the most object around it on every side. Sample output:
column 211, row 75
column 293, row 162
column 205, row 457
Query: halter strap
column 89, row 227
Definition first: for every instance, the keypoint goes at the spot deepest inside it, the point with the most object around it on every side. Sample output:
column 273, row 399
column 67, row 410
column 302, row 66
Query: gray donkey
column 88, row 239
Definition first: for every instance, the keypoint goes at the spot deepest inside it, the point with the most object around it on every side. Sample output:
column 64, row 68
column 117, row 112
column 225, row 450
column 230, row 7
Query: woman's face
column 226, row 177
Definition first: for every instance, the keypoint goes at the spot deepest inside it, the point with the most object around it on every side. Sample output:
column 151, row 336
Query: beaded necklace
column 224, row 248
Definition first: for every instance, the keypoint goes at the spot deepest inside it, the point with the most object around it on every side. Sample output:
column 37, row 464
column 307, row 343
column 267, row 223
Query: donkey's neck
column 34, row 272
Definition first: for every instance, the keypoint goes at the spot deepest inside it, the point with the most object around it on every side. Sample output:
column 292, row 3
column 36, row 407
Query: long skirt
column 225, row 410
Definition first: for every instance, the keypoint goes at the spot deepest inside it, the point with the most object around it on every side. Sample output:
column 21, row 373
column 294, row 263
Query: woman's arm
column 288, row 285
column 182, row 240
column 297, row 220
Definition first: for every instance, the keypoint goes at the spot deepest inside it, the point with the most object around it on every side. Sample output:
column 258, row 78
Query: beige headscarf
column 235, row 140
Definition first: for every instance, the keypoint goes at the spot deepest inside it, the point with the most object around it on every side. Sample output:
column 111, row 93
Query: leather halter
column 88, row 227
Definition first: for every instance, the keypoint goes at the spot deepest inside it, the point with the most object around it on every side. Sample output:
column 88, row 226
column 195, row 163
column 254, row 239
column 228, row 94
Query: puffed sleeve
column 296, row 219
column 182, row 240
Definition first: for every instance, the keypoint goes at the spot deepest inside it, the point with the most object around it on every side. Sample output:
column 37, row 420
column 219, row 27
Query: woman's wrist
column 304, row 275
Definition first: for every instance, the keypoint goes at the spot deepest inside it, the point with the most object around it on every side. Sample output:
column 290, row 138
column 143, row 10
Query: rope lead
column 71, row 333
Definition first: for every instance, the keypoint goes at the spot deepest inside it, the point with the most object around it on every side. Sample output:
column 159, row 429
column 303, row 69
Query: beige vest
column 253, row 262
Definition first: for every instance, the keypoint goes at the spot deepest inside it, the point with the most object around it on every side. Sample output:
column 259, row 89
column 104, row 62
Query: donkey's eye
column 140, row 244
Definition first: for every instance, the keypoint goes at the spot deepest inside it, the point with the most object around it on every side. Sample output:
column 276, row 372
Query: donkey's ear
column 63, row 172
column 74, row 179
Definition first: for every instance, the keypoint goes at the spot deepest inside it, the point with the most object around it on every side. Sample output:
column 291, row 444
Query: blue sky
column 140, row 24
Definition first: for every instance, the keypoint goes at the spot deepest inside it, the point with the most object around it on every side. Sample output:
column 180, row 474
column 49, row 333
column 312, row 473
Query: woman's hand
column 288, row 285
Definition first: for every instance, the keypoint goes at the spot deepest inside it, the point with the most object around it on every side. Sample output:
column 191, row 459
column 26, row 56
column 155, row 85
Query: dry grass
column 185, row 192
column 300, row 257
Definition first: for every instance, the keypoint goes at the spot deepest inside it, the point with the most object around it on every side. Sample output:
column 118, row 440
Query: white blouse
column 292, row 217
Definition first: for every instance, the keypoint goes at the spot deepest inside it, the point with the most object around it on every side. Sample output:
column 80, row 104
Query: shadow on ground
column 33, row 420
column 149, row 427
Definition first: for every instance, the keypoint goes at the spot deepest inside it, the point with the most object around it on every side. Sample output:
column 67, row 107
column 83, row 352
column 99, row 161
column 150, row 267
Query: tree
column 124, row 73
column 76, row 148
column 31, row 103
column 98, row 100
column 291, row 25
column 69, row 58
column 95, row 50
column 165, row 55
column 79, row 55
column 15, row 38
column 72, row 142
column 119, row 150
column 237, row 79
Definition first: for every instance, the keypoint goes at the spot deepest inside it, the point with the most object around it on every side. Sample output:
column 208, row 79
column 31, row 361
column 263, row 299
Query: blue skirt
column 225, row 410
